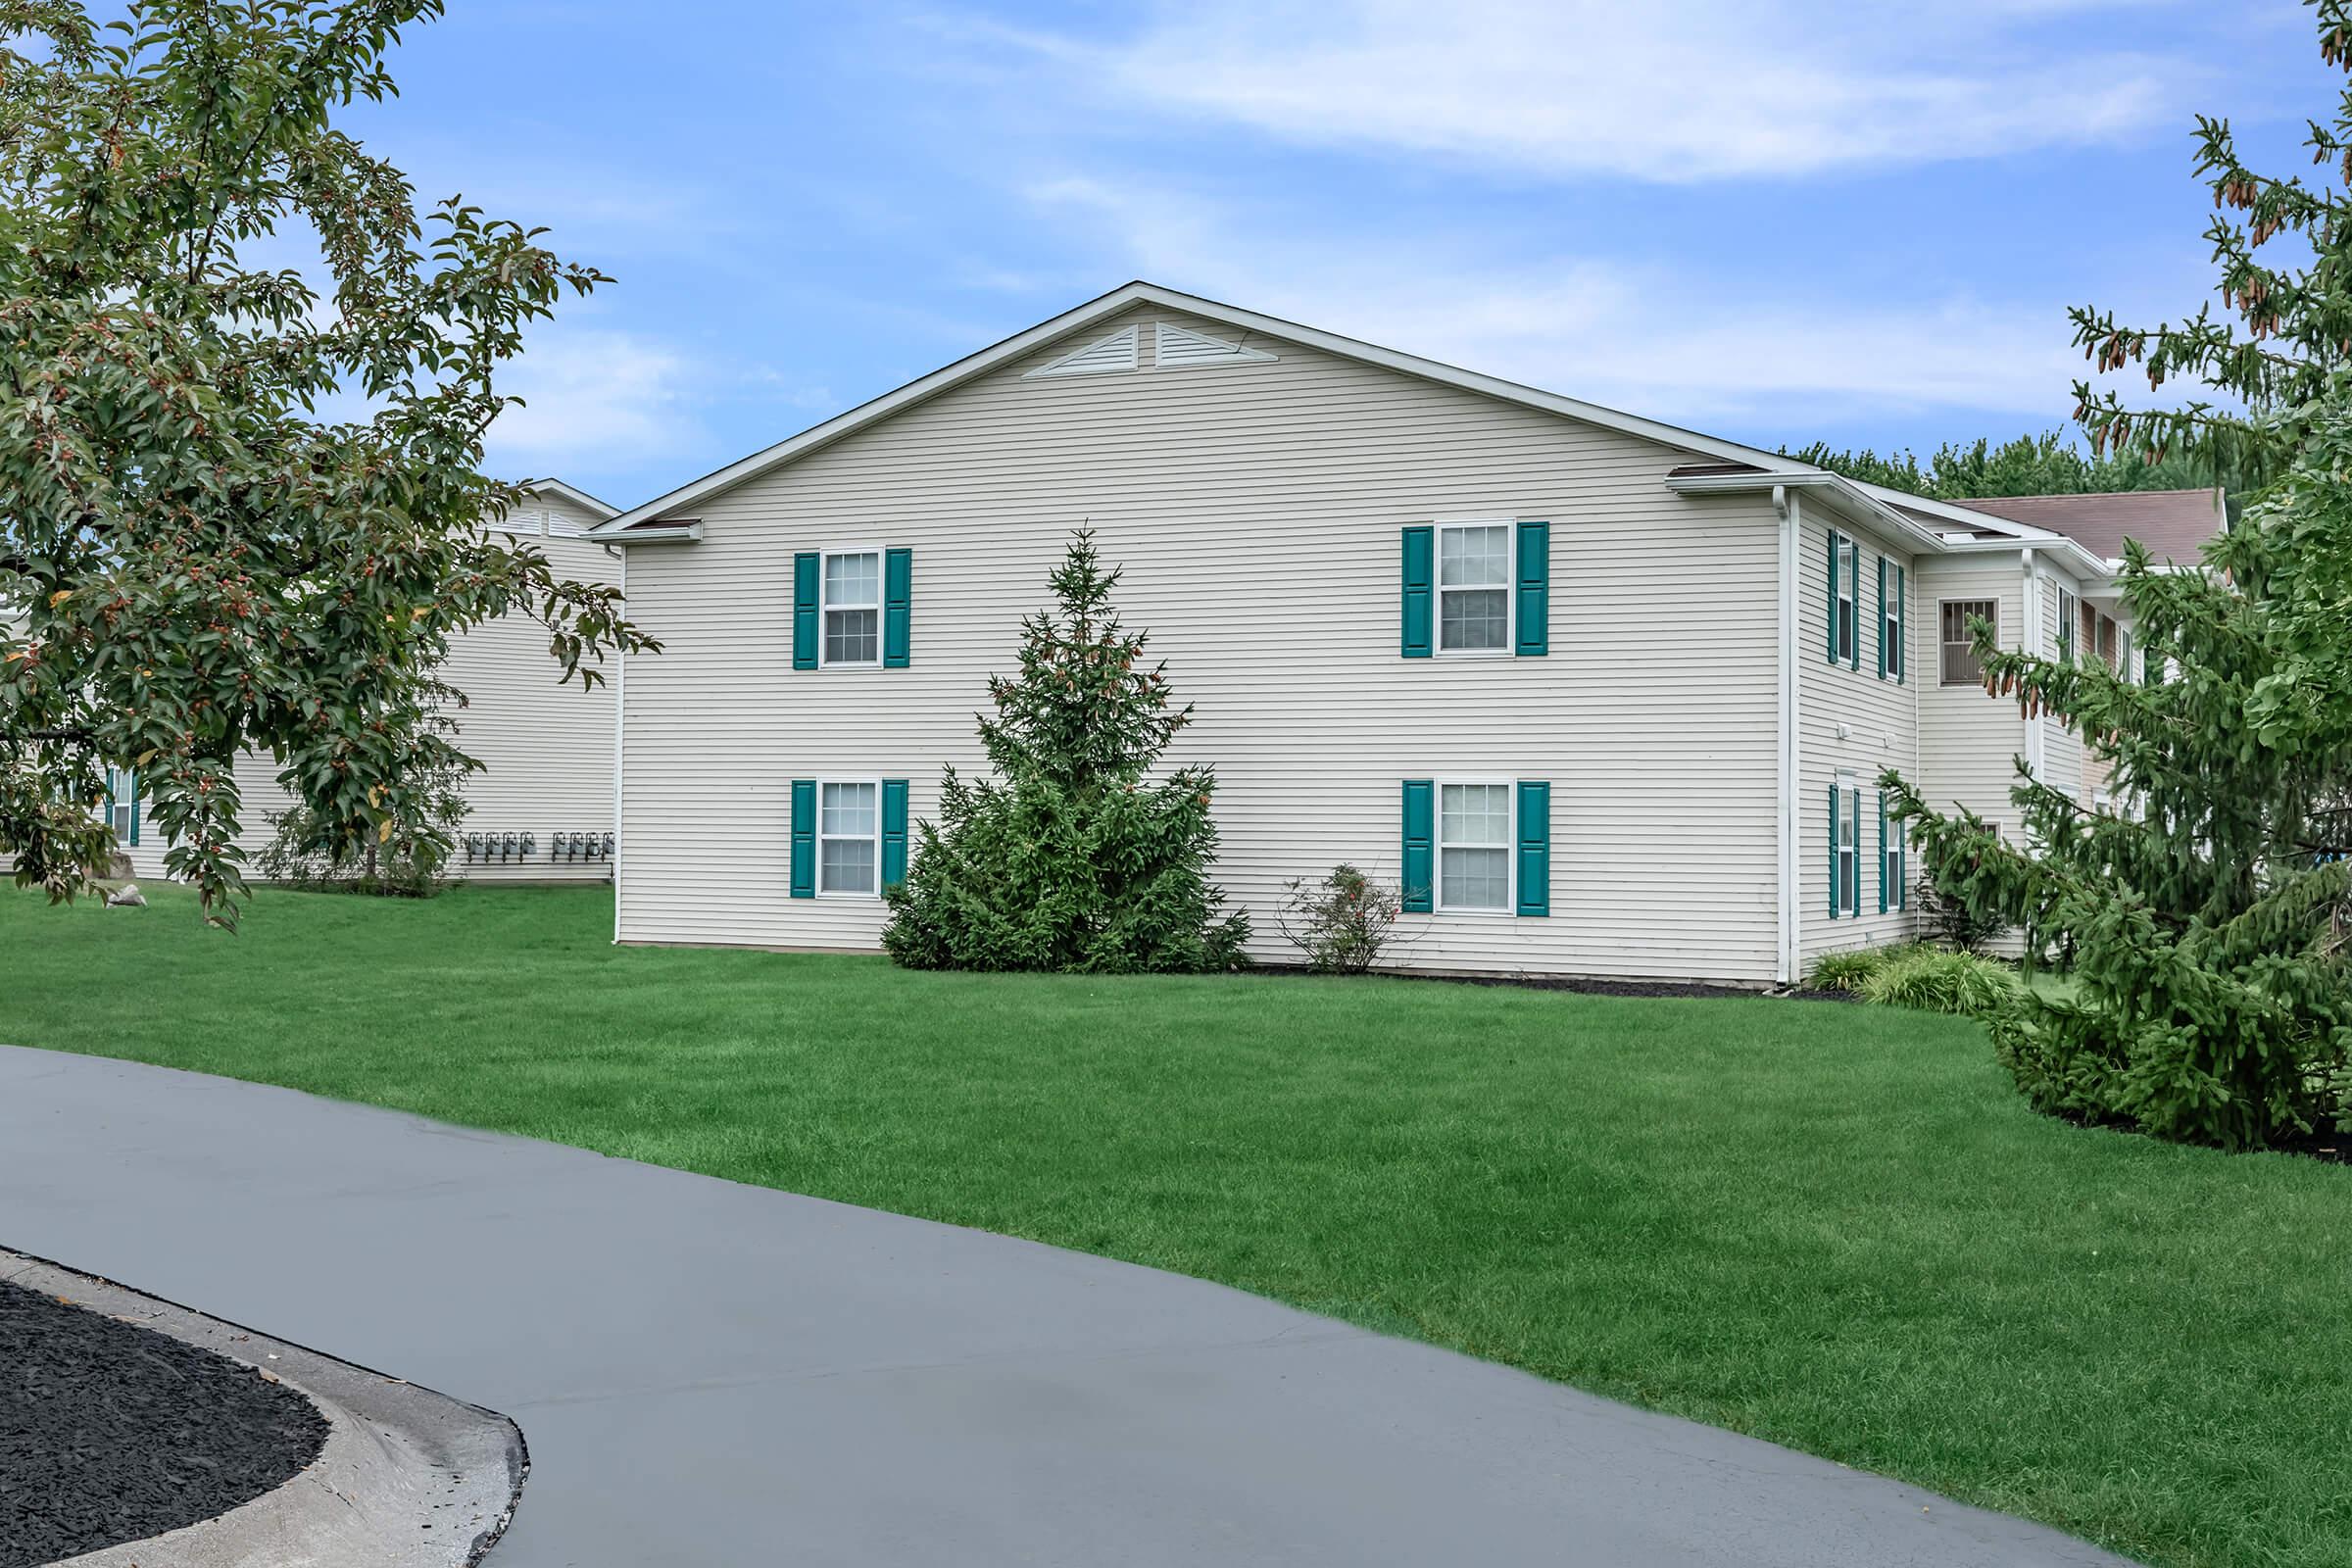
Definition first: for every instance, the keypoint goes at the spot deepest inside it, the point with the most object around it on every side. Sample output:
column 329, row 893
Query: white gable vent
column 1180, row 346
column 1116, row 351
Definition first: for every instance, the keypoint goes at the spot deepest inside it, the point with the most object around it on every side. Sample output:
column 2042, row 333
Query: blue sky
column 1771, row 220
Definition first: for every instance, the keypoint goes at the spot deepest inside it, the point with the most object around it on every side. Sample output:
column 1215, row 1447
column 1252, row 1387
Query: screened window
column 854, row 609
column 1474, row 847
column 1846, row 574
column 1474, row 587
column 849, row 838
column 1961, row 667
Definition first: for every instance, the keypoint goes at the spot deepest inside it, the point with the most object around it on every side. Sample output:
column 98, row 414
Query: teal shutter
column 803, row 838
column 894, row 831
column 1830, row 579
column 897, row 601
column 133, row 778
column 1420, row 845
column 1834, row 896
column 804, row 609
column 1886, row 650
column 1884, row 892
column 1535, row 591
column 1902, row 630
column 1420, row 568
column 1535, row 847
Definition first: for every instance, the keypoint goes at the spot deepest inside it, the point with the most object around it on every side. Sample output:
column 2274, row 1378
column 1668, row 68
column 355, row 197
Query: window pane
column 1474, row 557
column 1476, row 879
column 849, row 809
column 853, row 580
column 849, row 865
column 853, row 636
column 1961, row 668
column 1476, row 813
column 1477, row 618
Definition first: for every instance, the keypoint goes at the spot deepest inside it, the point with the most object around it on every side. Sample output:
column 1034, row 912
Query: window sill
column 1471, row 653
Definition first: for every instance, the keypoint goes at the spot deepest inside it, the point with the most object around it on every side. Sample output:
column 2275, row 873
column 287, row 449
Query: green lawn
column 1831, row 1226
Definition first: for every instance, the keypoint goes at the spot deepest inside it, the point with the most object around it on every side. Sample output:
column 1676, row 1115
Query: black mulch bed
column 110, row 1432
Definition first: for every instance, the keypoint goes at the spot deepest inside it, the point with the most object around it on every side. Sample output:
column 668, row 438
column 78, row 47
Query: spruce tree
column 1073, row 857
column 2207, row 918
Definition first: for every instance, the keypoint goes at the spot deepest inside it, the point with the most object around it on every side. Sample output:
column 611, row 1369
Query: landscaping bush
column 1935, row 981
column 1342, row 921
column 1957, row 923
column 1846, row 971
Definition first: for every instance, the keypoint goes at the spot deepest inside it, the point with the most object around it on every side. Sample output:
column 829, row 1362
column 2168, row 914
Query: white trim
column 825, row 607
column 1509, row 846
column 620, row 733
column 1787, row 503
column 1141, row 293
column 1509, row 587
column 1850, row 820
column 2030, row 640
column 876, row 839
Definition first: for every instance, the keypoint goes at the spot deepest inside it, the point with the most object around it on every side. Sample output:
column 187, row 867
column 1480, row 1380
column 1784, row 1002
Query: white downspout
column 2032, row 644
column 1789, row 962
column 621, row 687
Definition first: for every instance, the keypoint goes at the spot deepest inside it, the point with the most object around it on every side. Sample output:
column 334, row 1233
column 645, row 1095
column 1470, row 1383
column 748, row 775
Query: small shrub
column 1958, row 926
column 1846, row 971
column 1342, row 921
column 1934, row 981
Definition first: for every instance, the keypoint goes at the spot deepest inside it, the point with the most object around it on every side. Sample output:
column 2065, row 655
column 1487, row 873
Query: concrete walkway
column 714, row 1374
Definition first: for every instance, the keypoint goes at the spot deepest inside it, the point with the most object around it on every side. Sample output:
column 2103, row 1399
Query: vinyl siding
column 1255, row 511
column 1969, row 741
column 1854, row 721
column 2062, row 758
column 548, row 749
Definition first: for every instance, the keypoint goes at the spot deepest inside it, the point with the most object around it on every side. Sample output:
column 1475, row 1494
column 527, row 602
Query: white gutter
column 1789, row 962
column 674, row 534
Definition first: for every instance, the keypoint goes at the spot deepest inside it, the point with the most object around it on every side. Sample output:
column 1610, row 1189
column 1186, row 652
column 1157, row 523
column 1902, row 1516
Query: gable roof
column 604, row 511
column 1724, row 465
column 2171, row 523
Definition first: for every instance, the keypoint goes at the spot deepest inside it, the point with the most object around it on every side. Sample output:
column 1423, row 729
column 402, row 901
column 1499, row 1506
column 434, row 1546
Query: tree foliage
column 2208, row 918
column 2050, row 464
column 1073, row 857
column 195, row 560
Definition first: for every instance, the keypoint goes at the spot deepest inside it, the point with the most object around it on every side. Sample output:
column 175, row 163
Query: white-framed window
column 1845, row 588
column 1890, row 620
column 1474, row 845
column 848, row 837
column 1474, row 586
column 853, row 607
column 2122, row 663
column 1960, row 665
column 1849, row 846
column 120, row 807
column 1895, row 870
column 2069, row 611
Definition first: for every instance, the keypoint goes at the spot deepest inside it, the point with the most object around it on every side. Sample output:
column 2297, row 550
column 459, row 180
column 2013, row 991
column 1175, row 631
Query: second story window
column 2068, row 611
column 1474, row 588
column 1961, row 667
column 854, row 607
column 1845, row 595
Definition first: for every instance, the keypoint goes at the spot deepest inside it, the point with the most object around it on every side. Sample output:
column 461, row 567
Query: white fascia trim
column 2080, row 561
column 573, row 494
column 1142, row 293
column 1856, row 500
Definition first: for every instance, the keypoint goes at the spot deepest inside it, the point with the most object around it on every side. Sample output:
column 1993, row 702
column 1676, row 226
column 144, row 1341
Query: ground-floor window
column 1474, row 847
column 1895, row 870
column 1846, row 847
column 848, row 837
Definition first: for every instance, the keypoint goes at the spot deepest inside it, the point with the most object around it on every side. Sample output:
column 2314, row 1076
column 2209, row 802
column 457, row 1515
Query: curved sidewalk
column 709, row 1373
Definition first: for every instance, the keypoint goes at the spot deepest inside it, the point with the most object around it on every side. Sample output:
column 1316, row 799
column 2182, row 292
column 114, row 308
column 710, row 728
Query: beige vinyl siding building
column 548, row 749
column 1643, row 795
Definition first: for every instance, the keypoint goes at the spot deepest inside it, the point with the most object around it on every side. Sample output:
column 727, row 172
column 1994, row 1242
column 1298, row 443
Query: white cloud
column 594, row 398
column 1668, row 345
column 1673, row 90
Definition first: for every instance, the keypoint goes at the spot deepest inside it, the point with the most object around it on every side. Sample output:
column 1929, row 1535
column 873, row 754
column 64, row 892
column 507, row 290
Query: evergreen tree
column 2050, row 464
column 1072, row 858
column 2209, row 920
